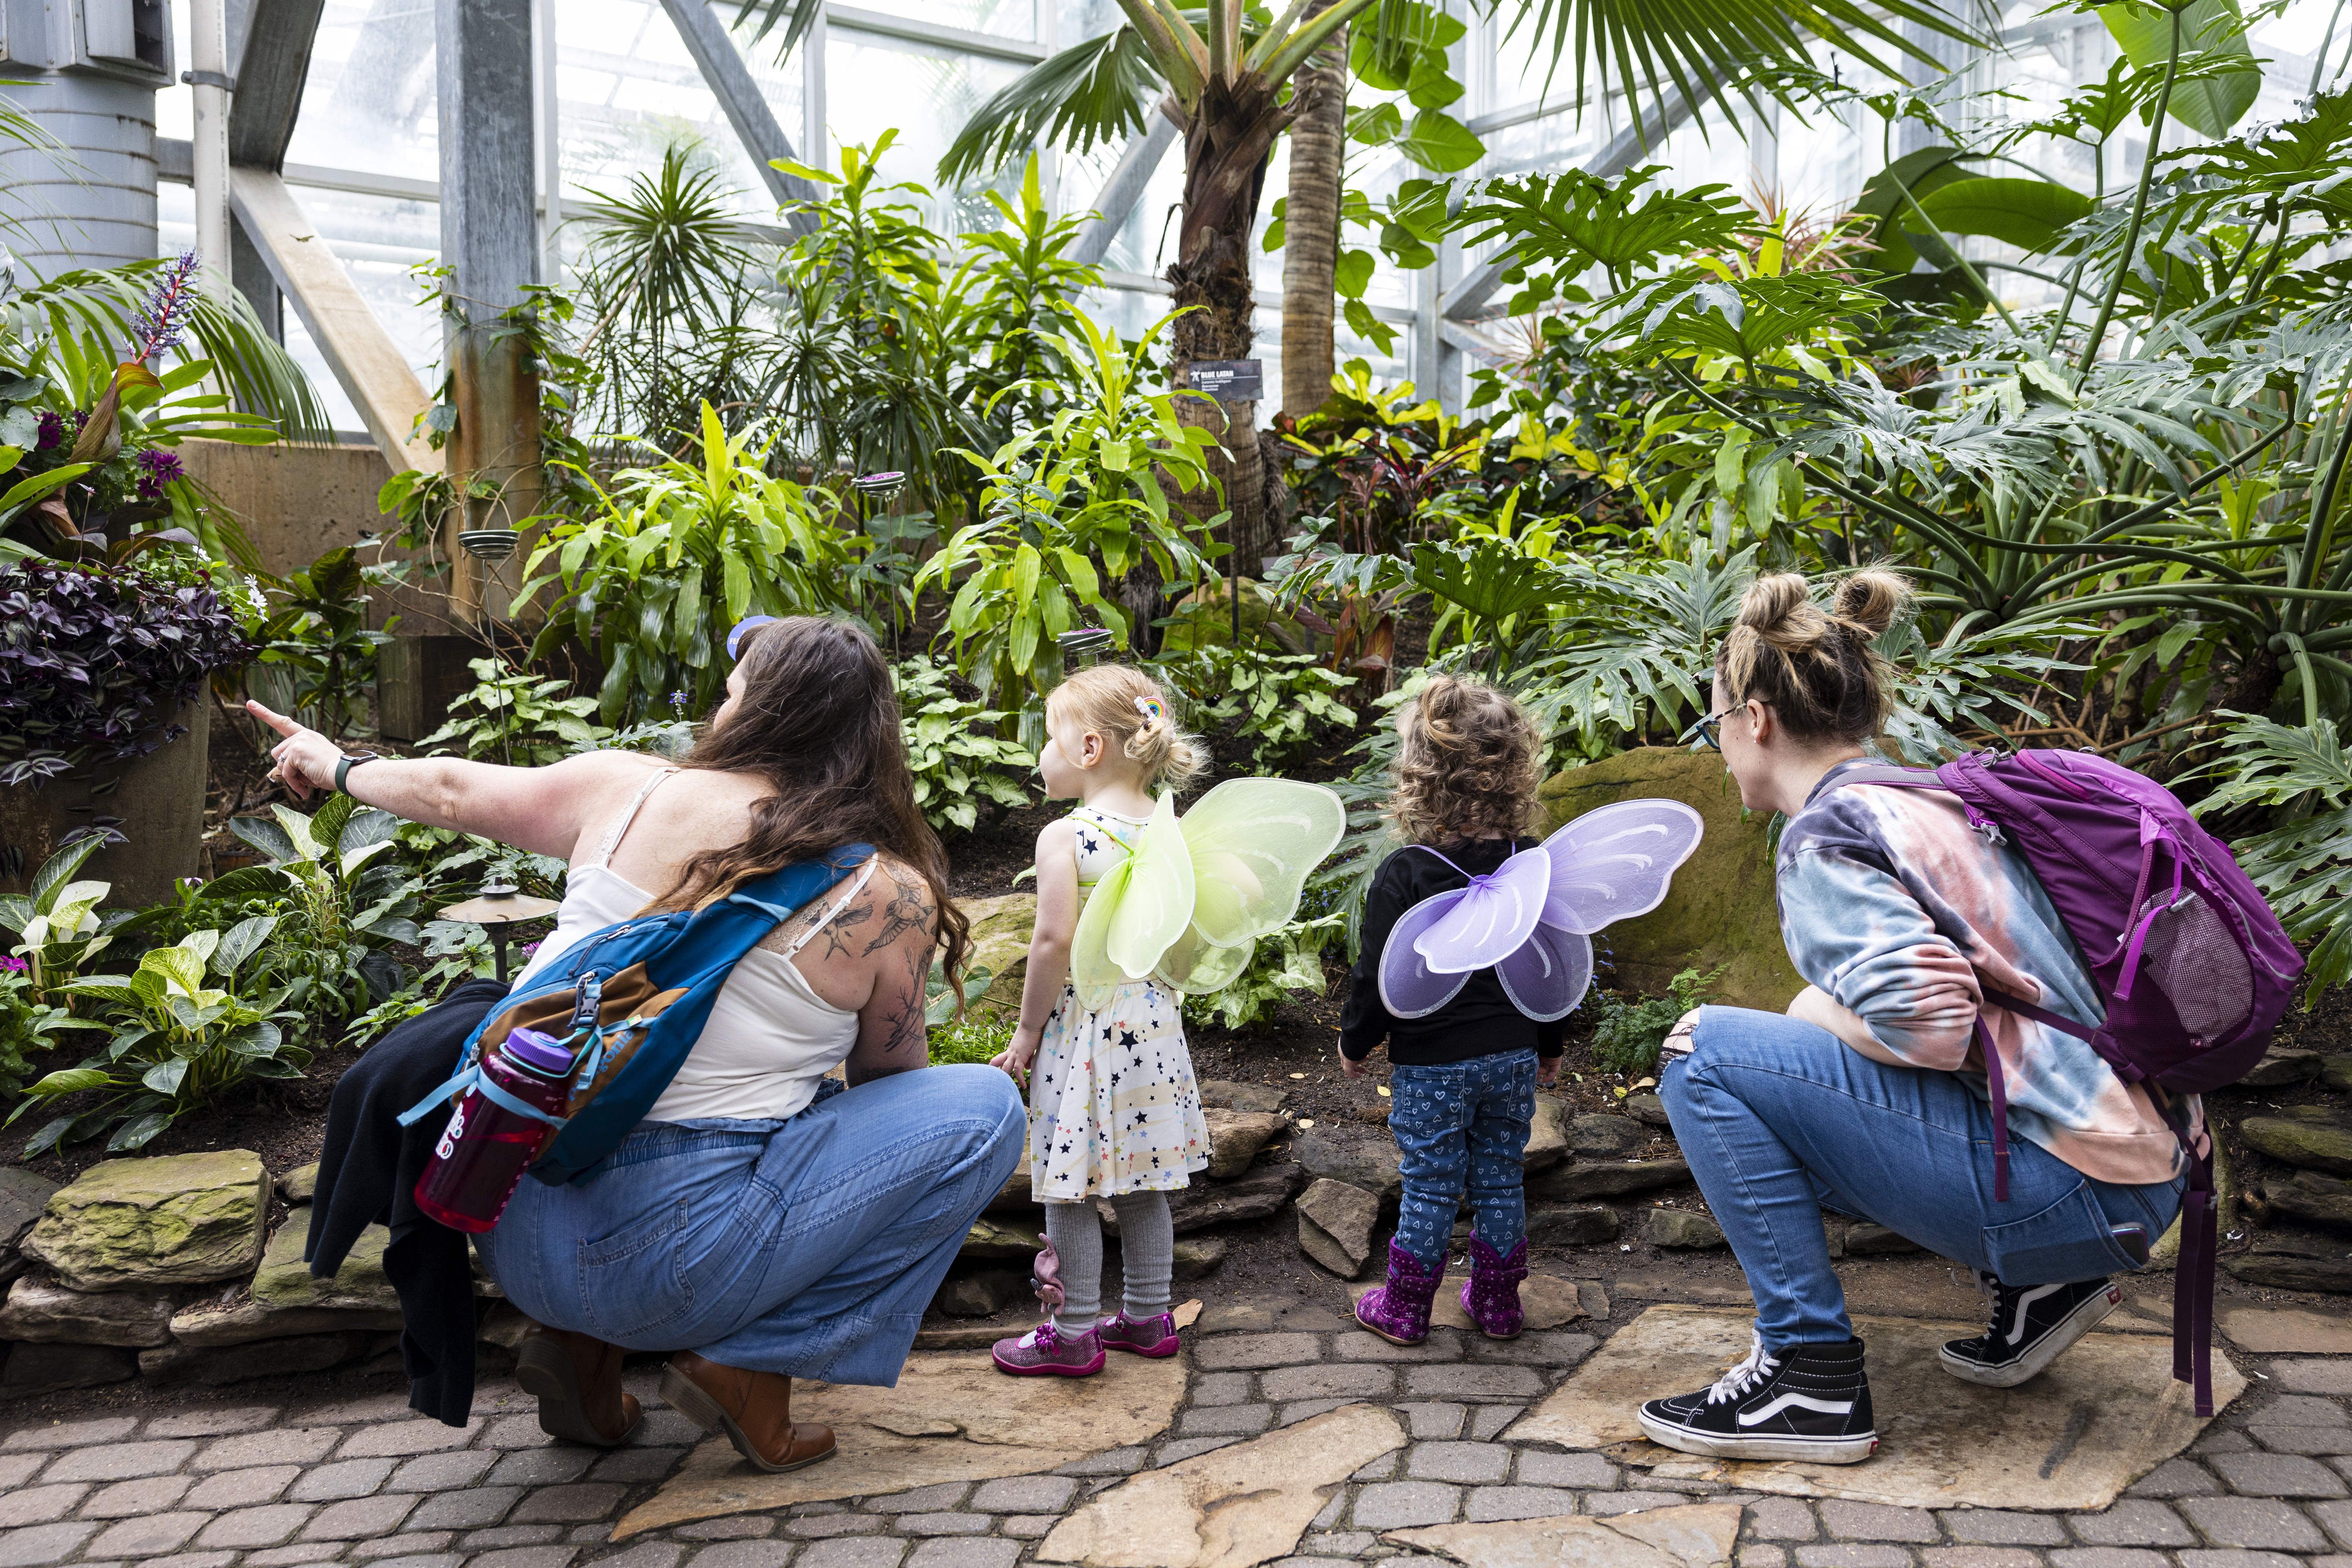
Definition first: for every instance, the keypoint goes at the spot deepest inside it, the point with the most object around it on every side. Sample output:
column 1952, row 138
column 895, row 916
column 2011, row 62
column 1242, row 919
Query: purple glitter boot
column 1491, row 1295
column 1399, row 1310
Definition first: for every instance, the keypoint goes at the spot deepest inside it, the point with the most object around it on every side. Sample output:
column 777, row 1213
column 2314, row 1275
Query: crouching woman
column 760, row 1224
column 1870, row 1097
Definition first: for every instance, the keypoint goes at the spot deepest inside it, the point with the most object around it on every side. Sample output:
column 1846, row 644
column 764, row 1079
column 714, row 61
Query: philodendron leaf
column 165, row 1077
column 2028, row 214
column 240, row 941
column 2211, row 101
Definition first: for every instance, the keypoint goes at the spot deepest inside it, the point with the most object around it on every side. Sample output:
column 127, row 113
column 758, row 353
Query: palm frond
column 1094, row 93
column 1637, row 46
column 795, row 16
column 90, row 314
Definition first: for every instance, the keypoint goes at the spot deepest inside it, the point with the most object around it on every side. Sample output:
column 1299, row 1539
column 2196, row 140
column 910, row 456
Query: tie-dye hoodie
column 1893, row 905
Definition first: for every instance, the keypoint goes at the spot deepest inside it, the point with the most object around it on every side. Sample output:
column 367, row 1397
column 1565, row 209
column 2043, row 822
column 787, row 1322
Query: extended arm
column 541, row 810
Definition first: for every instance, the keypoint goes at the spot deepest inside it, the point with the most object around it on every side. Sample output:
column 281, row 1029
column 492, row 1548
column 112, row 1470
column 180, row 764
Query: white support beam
column 366, row 363
column 1467, row 298
column 907, row 29
column 721, row 64
column 1124, row 186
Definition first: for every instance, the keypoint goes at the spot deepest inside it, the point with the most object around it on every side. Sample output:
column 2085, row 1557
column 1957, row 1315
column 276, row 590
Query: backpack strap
column 2192, row 1285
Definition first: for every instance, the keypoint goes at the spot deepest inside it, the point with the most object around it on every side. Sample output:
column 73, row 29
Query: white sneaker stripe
column 2017, row 1324
column 1826, row 1406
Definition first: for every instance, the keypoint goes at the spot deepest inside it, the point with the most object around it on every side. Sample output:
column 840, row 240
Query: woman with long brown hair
column 758, row 1223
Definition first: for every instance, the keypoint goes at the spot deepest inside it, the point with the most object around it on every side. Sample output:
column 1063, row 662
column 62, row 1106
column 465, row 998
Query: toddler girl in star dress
column 1113, row 1109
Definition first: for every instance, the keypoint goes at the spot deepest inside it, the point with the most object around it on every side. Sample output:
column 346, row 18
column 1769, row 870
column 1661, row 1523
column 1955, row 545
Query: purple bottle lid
column 540, row 1053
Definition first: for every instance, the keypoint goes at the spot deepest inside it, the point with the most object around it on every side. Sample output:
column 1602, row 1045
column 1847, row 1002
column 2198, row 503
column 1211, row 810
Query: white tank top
column 770, row 1035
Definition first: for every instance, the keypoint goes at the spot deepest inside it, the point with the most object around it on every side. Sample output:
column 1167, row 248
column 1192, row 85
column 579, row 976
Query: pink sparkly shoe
column 1153, row 1336
column 1047, row 1352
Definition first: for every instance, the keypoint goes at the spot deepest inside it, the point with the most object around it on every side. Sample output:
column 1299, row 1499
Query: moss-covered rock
column 1720, row 913
column 284, row 1299
column 1001, row 929
column 2313, row 1145
column 180, row 1220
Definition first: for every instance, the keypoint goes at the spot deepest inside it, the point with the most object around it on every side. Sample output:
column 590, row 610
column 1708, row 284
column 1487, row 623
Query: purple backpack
column 2194, row 966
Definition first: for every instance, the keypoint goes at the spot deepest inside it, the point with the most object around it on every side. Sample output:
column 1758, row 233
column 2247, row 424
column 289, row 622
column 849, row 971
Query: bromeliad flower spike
column 1188, row 904
column 1531, row 919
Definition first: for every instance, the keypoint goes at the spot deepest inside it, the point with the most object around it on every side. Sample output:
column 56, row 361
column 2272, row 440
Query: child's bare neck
column 1119, row 796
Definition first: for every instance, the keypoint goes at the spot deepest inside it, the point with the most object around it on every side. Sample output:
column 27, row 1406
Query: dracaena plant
column 1064, row 506
column 673, row 555
column 183, row 1031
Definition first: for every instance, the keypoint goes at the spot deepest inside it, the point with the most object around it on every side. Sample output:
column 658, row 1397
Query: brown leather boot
column 754, row 1409
column 577, row 1380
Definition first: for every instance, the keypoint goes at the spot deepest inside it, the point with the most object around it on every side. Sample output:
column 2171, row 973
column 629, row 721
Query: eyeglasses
column 1706, row 729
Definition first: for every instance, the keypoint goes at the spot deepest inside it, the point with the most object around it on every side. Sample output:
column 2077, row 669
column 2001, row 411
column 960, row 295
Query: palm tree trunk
column 1225, row 147
column 1310, row 224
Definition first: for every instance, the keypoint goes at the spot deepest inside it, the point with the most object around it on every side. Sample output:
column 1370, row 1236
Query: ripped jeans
column 1781, row 1118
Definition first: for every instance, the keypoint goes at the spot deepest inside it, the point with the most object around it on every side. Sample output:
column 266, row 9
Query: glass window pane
column 368, row 102
column 875, row 84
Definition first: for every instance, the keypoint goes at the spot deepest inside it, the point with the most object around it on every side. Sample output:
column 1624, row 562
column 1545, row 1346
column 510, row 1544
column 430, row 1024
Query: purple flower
column 677, row 702
column 532, row 948
column 13, row 965
column 53, row 431
column 155, row 468
column 163, row 321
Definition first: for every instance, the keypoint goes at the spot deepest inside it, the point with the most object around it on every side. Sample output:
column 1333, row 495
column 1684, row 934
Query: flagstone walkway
column 244, row 1484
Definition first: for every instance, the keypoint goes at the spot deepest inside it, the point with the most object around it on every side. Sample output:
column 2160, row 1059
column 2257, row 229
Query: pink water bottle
column 484, row 1151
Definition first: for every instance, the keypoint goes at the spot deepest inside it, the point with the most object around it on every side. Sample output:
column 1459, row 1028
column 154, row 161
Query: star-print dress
column 1112, row 1105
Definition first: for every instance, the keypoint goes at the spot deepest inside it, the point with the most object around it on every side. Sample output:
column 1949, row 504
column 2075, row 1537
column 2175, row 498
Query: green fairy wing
column 1136, row 912
column 1252, row 844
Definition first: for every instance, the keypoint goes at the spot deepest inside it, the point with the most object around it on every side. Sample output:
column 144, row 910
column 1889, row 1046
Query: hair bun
column 1870, row 600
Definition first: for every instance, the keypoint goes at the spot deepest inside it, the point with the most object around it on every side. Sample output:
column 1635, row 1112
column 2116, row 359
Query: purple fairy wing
column 1549, row 974
column 1409, row 988
column 1616, row 862
column 1494, row 917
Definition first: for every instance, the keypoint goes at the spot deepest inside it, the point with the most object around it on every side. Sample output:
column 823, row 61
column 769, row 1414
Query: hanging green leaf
column 2209, row 101
column 2028, row 214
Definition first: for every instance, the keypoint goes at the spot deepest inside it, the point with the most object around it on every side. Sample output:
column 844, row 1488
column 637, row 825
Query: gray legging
column 1146, row 1240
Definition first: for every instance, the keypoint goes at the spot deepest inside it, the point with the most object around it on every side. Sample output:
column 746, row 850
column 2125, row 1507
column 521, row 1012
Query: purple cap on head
column 539, row 1053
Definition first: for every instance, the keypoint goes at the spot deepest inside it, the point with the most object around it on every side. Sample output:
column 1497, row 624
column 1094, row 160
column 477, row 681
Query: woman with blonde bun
column 1869, row 1096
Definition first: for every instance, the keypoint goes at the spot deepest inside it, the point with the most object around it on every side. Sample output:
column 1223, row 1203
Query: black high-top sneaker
column 2031, row 1325
column 1811, row 1402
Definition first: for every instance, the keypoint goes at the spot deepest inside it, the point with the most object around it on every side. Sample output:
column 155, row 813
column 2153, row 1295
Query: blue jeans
column 1781, row 1118
column 1463, row 1119
column 809, row 1247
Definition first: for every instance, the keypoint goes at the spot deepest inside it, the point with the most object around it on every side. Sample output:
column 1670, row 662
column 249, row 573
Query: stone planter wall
column 158, row 805
column 165, row 1269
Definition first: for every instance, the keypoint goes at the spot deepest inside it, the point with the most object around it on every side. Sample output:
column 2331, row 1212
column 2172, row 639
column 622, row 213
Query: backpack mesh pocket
column 2190, row 956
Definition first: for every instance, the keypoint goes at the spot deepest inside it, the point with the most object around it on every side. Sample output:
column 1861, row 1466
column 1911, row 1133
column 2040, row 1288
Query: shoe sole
column 1166, row 1347
column 686, row 1397
column 1814, row 1451
column 1393, row 1339
column 2045, row 1350
column 546, row 1374
column 1049, row 1369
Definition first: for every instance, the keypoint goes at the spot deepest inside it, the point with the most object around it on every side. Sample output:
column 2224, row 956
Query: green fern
column 2304, row 866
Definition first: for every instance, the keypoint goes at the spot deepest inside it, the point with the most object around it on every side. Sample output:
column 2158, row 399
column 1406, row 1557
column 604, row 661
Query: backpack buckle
column 590, row 1004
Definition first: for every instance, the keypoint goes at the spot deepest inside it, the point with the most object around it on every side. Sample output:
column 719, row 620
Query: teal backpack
column 629, row 1001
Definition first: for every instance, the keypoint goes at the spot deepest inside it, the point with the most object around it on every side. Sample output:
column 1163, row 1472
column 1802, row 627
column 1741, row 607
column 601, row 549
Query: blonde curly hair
column 1127, row 709
column 1469, row 766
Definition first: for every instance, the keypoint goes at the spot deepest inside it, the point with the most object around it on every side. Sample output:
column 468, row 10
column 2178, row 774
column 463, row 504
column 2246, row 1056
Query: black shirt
column 1480, row 1021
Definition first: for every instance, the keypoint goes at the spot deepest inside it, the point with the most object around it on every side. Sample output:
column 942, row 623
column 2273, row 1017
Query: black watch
column 349, row 761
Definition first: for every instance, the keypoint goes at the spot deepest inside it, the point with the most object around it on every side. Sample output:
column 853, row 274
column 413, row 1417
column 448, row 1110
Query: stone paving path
column 241, row 1484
